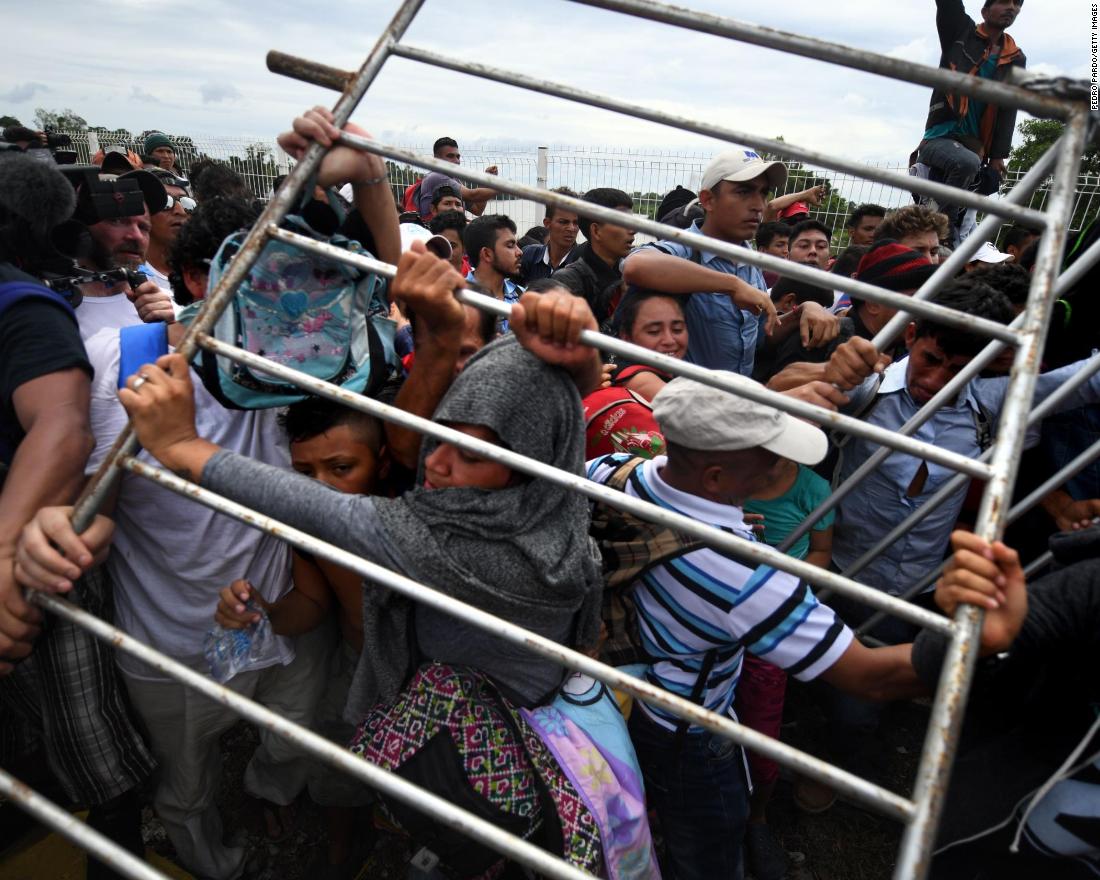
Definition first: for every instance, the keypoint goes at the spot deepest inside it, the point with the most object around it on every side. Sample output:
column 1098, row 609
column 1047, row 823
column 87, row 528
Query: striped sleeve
column 776, row 617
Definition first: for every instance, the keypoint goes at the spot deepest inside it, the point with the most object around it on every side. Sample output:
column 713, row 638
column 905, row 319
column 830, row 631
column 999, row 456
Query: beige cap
column 740, row 165
column 702, row 417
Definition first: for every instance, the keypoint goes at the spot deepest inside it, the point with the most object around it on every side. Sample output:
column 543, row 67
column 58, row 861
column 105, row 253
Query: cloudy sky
column 197, row 66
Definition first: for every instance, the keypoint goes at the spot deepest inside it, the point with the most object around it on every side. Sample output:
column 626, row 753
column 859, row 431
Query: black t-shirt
column 37, row 337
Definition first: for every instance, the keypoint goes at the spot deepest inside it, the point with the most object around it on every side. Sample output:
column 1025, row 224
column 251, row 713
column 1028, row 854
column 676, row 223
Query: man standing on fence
column 963, row 133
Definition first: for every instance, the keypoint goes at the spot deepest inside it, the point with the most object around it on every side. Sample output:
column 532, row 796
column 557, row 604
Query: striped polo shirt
column 707, row 601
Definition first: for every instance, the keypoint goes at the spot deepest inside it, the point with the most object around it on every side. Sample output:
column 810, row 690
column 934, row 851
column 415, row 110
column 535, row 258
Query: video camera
column 69, row 285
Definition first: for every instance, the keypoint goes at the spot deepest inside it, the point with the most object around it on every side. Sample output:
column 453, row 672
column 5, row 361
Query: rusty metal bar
column 384, row 781
column 731, row 382
column 844, row 56
column 327, row 77
column 751, row 551
column 867, row 793
column 957, row 482
column 950, row 701
column 103, row 481
column 705, row 243
column 1082, row 461
column 70, row 827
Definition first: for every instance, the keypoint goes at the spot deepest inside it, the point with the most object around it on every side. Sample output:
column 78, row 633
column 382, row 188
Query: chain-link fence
column 645, row 174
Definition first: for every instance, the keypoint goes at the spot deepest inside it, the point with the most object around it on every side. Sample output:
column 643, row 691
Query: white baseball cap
column 743, row 164
column 702, row 417
column 987, row 253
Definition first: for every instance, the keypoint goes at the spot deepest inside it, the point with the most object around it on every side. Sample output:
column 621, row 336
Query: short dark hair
column 200, row 238
column 217, row 179
column 803, row 292
column 315, row 416
column 605, row 197
column 448, row 220
column 768, row 232
column 443, row 142
column 629, row 306
column 1008, row 278
column 807, row 225
column 972, row 297
column 562, row 191
column 1016, row 236
column 865, row 210
column 482, row 232
column 442, row 192
column 847, row 260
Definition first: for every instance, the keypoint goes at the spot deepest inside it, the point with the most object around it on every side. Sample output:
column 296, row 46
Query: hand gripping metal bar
column 69, row 826
column 332, row 754
column 955, row 483
column 731, row 382
column 283, row 201
column 289, row 65
column 1082, row 461
column 872, row 795
column 704, row 243
column 845, row 56
column 1065, row 283
column 751, row 551
column 950, row 700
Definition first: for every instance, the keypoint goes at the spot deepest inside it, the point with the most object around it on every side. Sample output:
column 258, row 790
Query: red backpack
column 617, row 419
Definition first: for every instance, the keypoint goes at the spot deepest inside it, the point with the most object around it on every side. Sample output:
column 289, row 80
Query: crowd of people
column 104, row 267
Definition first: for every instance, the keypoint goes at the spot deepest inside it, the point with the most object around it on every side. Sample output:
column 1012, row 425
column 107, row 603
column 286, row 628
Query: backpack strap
column 13, row 292
column 696, row 695
column 138, row 345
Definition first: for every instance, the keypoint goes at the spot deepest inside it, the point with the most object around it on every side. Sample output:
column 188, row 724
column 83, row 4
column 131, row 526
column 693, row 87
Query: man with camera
column 58, row 685
column 117, row 213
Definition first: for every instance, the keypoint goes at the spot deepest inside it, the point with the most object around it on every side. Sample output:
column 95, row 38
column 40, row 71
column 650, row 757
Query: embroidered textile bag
column 450, row 731
column 302, row 310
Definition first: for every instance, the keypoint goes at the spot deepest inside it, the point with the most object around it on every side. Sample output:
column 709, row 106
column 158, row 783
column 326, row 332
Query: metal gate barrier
column 920, row 812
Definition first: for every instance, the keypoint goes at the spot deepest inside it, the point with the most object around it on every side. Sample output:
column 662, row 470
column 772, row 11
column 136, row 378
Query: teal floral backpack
column 304, row 311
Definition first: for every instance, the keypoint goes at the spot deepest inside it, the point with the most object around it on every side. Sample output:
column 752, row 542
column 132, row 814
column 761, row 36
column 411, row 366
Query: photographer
column 66, row 692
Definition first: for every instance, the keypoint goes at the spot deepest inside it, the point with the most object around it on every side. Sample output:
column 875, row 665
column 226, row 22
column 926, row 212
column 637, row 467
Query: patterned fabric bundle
column 450, row 731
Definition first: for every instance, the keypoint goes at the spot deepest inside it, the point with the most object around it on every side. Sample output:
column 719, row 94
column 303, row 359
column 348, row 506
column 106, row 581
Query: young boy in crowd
column 341, row 448
column 794, row 492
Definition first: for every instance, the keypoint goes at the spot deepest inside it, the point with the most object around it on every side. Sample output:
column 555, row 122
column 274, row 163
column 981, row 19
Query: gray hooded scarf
column 522, row 552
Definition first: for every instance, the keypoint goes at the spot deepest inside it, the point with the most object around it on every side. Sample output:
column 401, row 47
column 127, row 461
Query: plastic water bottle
column 228, row 651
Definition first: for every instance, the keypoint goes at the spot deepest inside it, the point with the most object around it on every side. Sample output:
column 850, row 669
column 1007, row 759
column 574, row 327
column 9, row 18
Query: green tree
column 1038, row 136
column 6, row 121
column 60, row 120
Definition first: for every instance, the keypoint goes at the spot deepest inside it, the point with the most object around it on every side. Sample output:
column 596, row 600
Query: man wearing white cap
column 987, row 256
column 729, row 304
column 699, row 612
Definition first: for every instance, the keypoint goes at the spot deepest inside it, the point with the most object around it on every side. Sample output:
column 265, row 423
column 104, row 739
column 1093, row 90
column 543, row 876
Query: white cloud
column 213, row 56
column 137, row 93
column 23, row 92
column 213, row 93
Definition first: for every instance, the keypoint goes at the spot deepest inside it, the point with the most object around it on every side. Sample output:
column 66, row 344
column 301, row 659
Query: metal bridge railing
column 920, row 812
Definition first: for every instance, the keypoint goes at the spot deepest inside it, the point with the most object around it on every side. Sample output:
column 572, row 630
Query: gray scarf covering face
column 521, row 553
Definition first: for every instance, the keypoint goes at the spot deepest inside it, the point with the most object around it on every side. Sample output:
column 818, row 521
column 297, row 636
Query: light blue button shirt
column 720, row 335
column 881, row 500
column 512, row 293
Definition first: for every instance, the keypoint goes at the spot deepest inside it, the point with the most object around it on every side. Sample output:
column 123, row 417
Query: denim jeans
column 959, row 167
column 699, row 791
